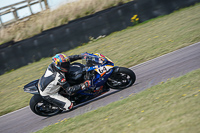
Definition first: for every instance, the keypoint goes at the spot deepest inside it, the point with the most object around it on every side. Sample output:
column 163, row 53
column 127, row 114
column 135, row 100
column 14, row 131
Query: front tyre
column 43, row 108
column 121, row 79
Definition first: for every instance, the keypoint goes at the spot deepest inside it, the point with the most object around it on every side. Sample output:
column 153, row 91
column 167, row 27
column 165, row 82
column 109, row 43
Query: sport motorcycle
column 95, row 67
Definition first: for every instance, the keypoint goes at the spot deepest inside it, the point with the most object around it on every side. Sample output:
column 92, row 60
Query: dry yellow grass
column 49, row 19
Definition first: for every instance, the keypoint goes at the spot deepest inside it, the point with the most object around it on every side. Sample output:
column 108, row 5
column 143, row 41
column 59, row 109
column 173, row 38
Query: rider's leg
column 59, row 101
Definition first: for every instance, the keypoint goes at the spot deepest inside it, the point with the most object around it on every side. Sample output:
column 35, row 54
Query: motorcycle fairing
column 32, row 87
column 103, row 69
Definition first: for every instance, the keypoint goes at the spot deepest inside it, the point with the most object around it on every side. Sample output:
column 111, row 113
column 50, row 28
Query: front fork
column 115, row 71
column 114, row 82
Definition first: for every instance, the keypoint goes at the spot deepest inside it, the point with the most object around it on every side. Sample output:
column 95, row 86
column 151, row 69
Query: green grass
column 170, row 107
column 126, row 48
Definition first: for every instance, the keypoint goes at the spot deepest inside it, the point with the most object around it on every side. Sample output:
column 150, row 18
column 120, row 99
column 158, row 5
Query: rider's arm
column 73, row 89
column 69, row 89
column 75, row 57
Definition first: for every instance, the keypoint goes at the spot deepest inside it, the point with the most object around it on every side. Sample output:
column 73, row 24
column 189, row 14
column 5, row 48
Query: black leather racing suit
column 50, row 83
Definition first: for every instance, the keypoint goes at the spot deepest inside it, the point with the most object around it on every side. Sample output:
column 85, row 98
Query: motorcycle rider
column 54, row 78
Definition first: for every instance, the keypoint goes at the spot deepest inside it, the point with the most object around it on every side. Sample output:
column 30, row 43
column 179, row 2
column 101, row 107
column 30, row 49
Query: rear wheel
column 121, row 79
column 42, row 107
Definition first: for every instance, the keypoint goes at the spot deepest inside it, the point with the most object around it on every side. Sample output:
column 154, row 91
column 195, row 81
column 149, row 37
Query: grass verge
column 126, row 48
column 169, row 107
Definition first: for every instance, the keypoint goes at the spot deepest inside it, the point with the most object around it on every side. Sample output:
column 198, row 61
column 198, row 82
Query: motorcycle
column 95, row 67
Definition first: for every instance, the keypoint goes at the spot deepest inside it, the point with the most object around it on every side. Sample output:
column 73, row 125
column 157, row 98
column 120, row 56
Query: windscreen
column 92, row 60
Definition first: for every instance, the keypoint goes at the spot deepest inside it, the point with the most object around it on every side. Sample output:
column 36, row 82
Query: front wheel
column 42, row 107
column 121, row 79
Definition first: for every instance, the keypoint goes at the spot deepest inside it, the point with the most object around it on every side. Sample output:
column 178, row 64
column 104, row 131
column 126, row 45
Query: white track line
column 14, row 112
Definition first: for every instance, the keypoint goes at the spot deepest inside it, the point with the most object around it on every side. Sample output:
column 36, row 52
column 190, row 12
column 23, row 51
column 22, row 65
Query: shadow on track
column 92, row 100
column 97, row 98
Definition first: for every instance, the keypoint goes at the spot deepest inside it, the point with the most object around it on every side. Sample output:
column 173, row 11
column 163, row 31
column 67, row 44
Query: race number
column 102, row 69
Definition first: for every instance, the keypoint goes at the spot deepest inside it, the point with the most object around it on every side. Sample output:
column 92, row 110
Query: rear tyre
column 41, row 107
column 121, row 79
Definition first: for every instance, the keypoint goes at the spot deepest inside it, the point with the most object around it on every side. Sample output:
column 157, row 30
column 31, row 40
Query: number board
column 103, row 69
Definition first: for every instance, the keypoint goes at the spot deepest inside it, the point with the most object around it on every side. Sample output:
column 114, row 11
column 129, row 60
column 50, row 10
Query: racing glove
column 86, row 84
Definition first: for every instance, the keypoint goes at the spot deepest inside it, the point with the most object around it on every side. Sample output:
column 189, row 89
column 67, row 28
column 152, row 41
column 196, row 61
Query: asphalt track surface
column 148, row 74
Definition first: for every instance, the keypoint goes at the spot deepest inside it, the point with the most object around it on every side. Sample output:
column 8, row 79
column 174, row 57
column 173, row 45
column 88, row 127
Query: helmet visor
column 65, row 65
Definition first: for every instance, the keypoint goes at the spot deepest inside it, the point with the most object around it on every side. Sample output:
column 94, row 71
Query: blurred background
column 6, row 5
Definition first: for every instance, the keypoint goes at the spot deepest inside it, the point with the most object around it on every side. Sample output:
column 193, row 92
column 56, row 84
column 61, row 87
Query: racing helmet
column 61, row 62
